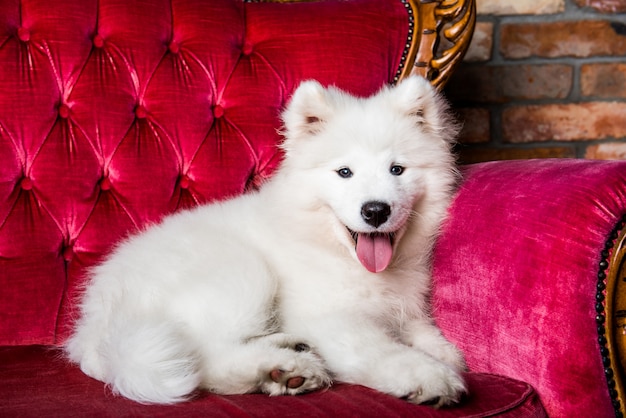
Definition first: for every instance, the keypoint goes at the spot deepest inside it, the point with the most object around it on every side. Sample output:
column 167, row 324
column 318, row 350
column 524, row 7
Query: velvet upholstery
column 35, row 372
column 114, row 113
column 516, row 274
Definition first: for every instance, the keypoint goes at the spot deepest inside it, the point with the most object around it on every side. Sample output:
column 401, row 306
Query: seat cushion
column 36, row 381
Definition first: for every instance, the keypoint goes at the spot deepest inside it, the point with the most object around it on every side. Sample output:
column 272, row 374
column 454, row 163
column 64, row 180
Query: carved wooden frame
column 611, row 314
column 450, row 21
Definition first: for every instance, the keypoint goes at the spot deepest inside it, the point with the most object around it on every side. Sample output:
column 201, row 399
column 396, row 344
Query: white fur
column 265, row 292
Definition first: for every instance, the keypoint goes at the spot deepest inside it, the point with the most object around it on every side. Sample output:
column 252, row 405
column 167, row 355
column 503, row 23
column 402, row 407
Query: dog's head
column 373, row 163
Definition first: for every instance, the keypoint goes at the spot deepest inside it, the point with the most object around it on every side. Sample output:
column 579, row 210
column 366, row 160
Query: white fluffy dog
column 323, row 274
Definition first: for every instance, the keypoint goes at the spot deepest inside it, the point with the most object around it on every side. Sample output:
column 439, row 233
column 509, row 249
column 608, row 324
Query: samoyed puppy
column 322, row 275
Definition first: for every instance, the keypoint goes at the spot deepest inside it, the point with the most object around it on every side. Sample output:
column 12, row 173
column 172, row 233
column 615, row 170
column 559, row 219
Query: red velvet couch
column 114, row 113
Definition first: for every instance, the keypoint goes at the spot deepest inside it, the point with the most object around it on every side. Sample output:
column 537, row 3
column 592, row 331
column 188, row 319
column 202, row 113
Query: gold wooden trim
column 615, row 314
column 452, row 21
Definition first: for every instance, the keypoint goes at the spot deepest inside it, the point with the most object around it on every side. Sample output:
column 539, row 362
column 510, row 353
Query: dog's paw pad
column 295, row 382
column 278, row 376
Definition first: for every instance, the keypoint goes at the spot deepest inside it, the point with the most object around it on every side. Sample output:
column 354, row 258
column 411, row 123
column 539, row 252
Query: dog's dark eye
column 344, row 172
column 396, row 170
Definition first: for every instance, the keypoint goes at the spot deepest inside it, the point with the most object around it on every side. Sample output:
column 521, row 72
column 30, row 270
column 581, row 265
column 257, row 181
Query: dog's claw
column 432, row 401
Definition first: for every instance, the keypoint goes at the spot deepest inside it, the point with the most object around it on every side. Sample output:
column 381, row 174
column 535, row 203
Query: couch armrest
column 521, row 272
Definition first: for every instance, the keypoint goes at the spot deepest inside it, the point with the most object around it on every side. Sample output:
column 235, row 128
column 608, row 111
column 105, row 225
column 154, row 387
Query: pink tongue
column 374, row 251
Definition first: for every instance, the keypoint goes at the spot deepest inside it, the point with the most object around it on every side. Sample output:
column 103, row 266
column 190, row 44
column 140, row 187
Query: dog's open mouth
column 374, row 250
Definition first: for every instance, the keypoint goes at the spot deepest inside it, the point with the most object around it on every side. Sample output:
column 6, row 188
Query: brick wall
column 544, row 78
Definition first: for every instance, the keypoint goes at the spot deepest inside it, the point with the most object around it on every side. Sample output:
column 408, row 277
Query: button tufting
column 247, row 48
column 173, row 47
column 98, row 41
column 64, row 111
column 23, row 34
column 105, row 184
column 141, row 112
column 26, row 183
column 218, row 111
column 254, row 182
column 184, row 182
column 68, row 253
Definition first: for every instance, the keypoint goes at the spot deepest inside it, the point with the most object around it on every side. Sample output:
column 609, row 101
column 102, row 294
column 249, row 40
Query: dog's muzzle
column 374, row 249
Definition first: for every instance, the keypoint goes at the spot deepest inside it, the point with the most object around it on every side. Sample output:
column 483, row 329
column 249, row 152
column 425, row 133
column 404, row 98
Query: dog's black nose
column 375, row 213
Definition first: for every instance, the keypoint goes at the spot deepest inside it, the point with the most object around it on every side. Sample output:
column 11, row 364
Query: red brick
column 500, row 84
column 564, row 122
column 516, row 7
column 478, row 154
column 482, row 43
column 604, row 6
column 476, row 125
column 608, row 151
column 583, row 38
column 603, row 80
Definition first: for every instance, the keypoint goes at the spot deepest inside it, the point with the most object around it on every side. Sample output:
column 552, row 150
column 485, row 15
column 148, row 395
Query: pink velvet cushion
column 516, row 273
column 35, row 382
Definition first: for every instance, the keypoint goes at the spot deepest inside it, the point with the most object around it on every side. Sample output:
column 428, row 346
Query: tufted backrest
column 114, row 113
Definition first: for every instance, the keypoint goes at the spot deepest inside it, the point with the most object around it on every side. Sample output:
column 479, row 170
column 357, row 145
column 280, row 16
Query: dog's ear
column 308, row 110
column 418, row 99
column 412, row 95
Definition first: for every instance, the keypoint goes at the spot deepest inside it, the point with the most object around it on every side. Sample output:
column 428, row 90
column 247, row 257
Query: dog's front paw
column 303, row 372
column 441, row 386
column 451, row 355
column 292, row 366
